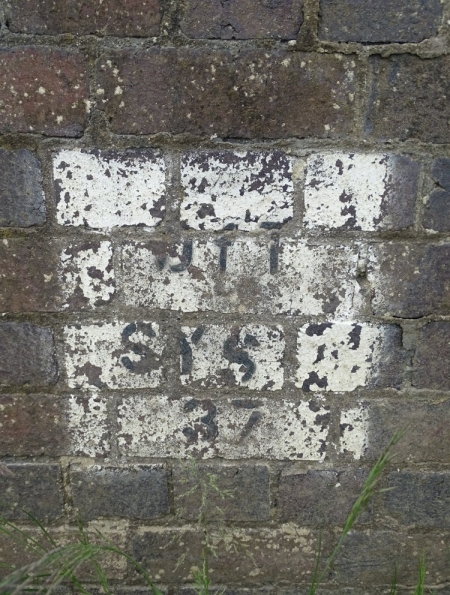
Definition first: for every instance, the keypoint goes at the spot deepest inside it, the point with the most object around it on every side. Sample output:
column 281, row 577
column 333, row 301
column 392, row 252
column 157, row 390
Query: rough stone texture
column 28, row 275
column 379, row 21
column 22, row 201
column 320, row 498
column 409, row 99
column 242, row 19
column 255, row 276
column 250, row 357
column 104, row 189
column 360, row 192
column 138, row 492
column 88, row 427
column 27, row 355
column 44, row 91
column 354, row 431
column 344, row 356
column 437, row 208
column 409, row 280
column 134, row 18
column 419, row 498
column 114, row 355
column 229, row 428
column 207, row 92
column 31, row 488
column 433, row 357
column 228, row 493
column 225, row 190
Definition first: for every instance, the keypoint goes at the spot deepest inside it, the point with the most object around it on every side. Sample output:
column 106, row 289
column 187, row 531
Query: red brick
column 204, row 92
column 242, row 19
column 43, row 90
column 129, row 18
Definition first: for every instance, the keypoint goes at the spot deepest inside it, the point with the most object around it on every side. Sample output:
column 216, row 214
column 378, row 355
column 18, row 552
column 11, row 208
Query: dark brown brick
column 22, row 201
column 419, row 498
column 27, row 355
column 242, row 19
column 320, row 498
column 233, row 493
column 205, row 92
column 137, row 492
column 29, row 276
column 437, row 209
column 31, row 488
column 379, row 21
column 410, row 280
column 409, row 99
column 432, row 361
column 43, row 91
column 123, row 18
column 14, row 553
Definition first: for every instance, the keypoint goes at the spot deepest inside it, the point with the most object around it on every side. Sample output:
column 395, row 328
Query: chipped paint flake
column 230, row 428
column 354, row 430
column 250, row 356
column 103, row 190
column 337, row 356
column 88, row 425
column 114, row 355
column 228, row 190
column 87, row 274
column 346, row 191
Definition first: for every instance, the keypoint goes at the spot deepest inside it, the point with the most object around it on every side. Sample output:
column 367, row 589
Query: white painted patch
column 229, row 428
column 88, row 425
column 338, row 356
column 87, row 274
column 108, row 189
column 346, row 191
column 354, row 431
column 250, row 356
column 236, row 190
column 115, row 355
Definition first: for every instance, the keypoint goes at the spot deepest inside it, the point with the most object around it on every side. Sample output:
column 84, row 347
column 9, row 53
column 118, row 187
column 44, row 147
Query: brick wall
column 226, row 236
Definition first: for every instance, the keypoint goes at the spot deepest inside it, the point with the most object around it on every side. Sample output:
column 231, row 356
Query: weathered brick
column 279, row 276
column 205, row 92
column 137, row 492
column 114, row 355
column 260, row 555
column 409, row 280
column 379, row 21
column 28, row 273
column 230, row 190
column 242, row 19
column 14, row 553
column 250, row 356
column 129, row 18
column 419, row 498
column 228, row 493
column 432, row 358
column 360, row 191
column 31, row 488
column 104, row 189
column 231, row 428
column 22, row 201
column 320, row 498
column 354, row 430
column 368, row 558
column 409, row 99
column 437, row 208
column 44, row 91
column 27, row 355
column 88, row 425
column 342, row 356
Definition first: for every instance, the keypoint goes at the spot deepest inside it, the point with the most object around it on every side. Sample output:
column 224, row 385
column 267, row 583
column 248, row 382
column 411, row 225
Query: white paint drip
column 354, row 431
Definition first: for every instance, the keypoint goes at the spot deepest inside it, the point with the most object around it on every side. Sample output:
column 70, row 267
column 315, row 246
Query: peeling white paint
column 338, row 356
column 236, row 190
column 88, row 425
column 354, row 426
column 115, row 355
column 229, row 428
column 108, row 189
column 250, row 356
column 346, row 191
column 87, row 274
